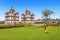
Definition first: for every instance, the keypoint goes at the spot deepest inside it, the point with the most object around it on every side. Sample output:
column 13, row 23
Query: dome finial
column 12, row 7
column 28, row 9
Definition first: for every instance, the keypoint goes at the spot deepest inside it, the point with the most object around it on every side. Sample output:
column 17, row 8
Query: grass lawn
column 30, row 34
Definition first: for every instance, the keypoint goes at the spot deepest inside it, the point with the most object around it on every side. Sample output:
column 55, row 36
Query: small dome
column 6, row 13
column 17, row 13
column 32, row 15
column 23, row 14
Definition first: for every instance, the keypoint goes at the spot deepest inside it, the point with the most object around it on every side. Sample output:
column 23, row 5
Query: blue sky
column 36, row 7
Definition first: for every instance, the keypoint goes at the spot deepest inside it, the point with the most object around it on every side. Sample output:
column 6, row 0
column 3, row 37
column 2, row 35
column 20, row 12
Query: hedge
column 11, row 26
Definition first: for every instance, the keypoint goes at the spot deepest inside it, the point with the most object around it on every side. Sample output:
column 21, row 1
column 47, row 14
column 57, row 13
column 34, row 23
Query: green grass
column 30, row 33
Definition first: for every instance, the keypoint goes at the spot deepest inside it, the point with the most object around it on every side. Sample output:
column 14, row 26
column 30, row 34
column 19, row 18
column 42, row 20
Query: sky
column 36, row 7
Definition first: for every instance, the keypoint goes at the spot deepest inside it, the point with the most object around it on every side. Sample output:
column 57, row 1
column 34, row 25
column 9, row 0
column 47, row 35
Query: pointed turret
column 12, row 9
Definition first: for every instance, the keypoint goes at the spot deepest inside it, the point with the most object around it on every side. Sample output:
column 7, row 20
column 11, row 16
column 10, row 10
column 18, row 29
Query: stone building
column 27, row 17
column 11, row 17
column 53, row 21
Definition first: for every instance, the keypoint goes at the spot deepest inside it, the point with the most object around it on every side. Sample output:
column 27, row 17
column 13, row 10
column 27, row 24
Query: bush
column 19, row 25
column 28, row 25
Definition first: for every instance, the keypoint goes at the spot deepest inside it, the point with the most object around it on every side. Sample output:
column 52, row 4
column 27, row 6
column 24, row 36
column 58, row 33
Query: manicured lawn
column 30, row 34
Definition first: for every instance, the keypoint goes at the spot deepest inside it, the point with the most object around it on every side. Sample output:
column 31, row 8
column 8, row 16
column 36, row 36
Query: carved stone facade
column 11, row 17
column 27, row 17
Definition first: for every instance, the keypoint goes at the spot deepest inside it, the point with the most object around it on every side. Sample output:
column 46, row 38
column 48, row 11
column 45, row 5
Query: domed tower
column 23, row 18
column 6, row 16
column 16, row 17
column 32, row 18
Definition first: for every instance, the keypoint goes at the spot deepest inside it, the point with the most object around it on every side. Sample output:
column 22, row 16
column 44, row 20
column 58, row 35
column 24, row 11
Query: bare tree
column 46, row 13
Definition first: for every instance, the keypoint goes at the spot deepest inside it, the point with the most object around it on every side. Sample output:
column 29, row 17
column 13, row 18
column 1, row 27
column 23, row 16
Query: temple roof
column 6, row 13
column 23, row 14
column 12, row 9
column 17, row 13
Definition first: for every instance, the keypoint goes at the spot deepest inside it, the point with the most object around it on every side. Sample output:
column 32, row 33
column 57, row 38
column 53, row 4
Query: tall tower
column 27, row 17
column 11, row 17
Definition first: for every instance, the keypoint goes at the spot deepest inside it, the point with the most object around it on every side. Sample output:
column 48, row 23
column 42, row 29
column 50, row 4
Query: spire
column 27, row 10
column 12, row 9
